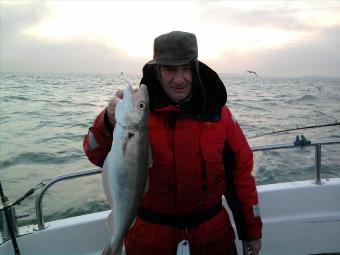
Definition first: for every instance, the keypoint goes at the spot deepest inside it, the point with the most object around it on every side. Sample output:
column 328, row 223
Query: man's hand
column 111, row 107
column 251, row 247
column 110, row 110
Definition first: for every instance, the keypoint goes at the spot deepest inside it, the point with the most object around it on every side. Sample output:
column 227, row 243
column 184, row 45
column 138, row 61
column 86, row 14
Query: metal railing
column 87, row 172
column 50, row 183
column 315, row 144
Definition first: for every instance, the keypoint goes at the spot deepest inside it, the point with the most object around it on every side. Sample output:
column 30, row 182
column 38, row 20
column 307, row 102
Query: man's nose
column 179, row 77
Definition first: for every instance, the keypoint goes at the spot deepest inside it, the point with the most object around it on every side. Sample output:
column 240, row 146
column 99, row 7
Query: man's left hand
column 251, row 247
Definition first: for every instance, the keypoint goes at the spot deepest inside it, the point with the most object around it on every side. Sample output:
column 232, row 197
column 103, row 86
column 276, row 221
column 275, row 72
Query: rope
column 28, row 193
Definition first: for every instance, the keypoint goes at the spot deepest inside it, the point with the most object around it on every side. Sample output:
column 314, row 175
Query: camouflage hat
column 174, row 48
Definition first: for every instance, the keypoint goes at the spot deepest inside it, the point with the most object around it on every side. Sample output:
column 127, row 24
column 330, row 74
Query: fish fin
column 123, row 250
column 133, row 223
column 150, row 162
column 105, row 178
column 146, row 189
column 109, row 223
column 124, row 146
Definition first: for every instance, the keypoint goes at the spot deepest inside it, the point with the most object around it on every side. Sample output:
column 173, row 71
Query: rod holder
column 318, row 163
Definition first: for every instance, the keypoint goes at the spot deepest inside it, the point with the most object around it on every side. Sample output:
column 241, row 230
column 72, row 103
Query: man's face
column 176, row 81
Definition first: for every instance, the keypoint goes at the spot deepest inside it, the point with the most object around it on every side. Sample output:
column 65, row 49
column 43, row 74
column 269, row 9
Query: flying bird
column 252, row 72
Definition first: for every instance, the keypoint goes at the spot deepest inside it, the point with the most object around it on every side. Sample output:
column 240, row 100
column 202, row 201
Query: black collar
column 209, row 94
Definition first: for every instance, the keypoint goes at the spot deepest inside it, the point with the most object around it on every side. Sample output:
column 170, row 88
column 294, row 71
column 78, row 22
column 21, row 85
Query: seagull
column 252, row 72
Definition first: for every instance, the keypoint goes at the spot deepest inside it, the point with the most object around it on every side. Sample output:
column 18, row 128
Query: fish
column 125, row 169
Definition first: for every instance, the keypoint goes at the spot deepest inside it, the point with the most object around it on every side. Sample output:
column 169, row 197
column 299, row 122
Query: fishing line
column 7, row 207
column 336, row 123
column 28, row 193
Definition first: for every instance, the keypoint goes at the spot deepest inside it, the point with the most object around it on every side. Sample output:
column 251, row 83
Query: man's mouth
column 178, row 88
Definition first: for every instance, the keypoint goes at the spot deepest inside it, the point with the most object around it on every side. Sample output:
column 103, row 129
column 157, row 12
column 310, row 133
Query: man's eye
column 169, row 69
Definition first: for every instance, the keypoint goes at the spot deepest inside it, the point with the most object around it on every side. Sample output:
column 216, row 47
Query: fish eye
column 141, row 106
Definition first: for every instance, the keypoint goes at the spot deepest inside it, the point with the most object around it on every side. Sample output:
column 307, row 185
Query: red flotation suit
column 196, row 160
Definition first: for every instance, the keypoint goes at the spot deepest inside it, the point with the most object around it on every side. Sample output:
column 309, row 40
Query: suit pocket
column 212, row 158
column 160, row 171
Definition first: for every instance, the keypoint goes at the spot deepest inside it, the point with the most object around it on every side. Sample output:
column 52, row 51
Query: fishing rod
column 9, row 221
column 336, row 123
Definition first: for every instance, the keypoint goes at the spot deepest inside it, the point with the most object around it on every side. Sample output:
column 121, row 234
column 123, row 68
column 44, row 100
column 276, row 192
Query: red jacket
column 195, row 162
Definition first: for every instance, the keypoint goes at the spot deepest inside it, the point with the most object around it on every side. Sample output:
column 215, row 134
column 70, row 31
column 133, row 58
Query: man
column 199, row 154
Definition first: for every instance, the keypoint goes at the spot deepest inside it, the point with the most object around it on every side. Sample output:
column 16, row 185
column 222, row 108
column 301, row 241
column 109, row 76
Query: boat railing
column 316, row 144
column 51, row 182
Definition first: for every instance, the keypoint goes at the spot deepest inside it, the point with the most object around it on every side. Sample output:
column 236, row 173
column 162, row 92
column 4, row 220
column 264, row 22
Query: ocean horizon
column 221, row 74
column 45, row 116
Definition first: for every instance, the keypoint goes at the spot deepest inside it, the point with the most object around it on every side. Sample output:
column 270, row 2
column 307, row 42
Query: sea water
column 44, row 118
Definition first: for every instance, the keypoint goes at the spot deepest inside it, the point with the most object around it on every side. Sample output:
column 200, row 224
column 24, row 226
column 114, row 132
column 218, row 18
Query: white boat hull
column 298, row 217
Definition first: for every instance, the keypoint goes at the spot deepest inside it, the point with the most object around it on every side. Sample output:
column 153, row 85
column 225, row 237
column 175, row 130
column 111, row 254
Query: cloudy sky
column 274, row 38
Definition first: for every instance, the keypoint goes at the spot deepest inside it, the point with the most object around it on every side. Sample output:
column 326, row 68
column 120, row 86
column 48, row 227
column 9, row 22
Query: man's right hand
column 111, row 107
column 110, row 110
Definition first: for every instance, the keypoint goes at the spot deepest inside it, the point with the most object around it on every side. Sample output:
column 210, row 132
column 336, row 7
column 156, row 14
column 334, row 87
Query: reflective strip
column 256, row 210
column 92, row 141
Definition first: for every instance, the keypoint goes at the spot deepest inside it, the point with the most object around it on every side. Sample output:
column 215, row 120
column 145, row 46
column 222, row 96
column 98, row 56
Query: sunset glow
column 118, row 25
column 128, row 28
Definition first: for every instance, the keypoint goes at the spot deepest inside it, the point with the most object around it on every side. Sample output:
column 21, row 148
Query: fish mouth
column 144, row 88
column 141, row 92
